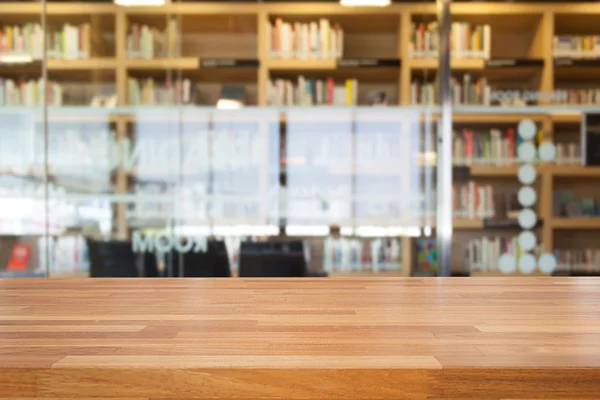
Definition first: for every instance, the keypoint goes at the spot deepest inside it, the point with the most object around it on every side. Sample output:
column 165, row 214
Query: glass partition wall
column 243, row 139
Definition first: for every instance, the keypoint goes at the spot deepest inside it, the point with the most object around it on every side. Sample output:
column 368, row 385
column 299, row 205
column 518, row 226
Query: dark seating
column 111, row 259
column 272, row 259
column 214, row 263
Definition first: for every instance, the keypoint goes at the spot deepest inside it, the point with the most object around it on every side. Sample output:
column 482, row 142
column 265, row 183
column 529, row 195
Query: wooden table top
column 300, row 338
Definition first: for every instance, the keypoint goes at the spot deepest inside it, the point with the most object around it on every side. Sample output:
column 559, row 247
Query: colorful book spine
column 359, row 255
column 148, row 92
column 470, row 92
column 29, row 93
column 144, row 41
column 466, row 40
column 312, row 92
column 320, row 39
column 69, row 42
column 569, row 46
column 473, row 201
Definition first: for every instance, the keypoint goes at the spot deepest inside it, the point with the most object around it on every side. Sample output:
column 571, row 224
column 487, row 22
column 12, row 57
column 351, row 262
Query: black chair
column 149, row 265
column 112, row 259
column 214, row 263
column 273, row 259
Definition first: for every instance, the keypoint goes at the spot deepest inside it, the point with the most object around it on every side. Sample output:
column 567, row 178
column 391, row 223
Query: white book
column 187, row 90
column 339, row 95
column 340, row 42
column 314, row 39
column 319, row 87
column 572, row 157
column 305, row 36
column 301, row 95
column 487, row 42
column 354, row 92
column 471, row 200
column 485, row 254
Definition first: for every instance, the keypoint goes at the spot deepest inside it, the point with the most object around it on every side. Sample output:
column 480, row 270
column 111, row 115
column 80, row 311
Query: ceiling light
column 365, row 3
column 142, row 3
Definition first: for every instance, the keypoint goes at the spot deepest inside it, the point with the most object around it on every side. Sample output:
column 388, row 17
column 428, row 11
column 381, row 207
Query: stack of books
column 473, row 201
column 493, row 148
column 147, row 42
column 315, row 40
column 484, row 253
column 587, row 260
column 149, row 92
column 568, row 154
column 466, row 40
column 310, row 92
column 565, row 204
column 69, row 42
column 578, row 96
column 470, row 92
column 576, row 46
column 29, row 93
column 353, row 255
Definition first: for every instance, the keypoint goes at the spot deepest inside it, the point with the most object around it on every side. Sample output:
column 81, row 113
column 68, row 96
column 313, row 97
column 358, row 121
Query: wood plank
column 396, row 338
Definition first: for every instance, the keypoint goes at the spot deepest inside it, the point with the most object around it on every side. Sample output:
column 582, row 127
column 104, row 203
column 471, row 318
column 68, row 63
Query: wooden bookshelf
column 219, row 30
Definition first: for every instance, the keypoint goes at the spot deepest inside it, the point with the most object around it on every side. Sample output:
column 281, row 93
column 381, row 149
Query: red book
column 19, row 257
column 469, row 145
column 330, row 85
column 279, row 30
column 510, row 135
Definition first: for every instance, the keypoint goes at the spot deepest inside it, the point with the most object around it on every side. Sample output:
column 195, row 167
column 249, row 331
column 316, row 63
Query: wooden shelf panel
column 300, row 65
column 494, row 171
column 455, row 64
column 575, row 223
column 464, row 223
column 175, row 63
column 575, row 171
column 83, row 64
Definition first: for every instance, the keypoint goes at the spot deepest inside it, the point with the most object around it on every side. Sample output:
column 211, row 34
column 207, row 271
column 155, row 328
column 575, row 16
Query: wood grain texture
column 134, row 339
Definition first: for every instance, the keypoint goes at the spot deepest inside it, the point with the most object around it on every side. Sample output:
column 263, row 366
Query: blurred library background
column 256, row 139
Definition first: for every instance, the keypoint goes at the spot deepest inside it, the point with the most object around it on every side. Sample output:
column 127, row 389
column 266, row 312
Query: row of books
column 570, row 46
column 473, row 201
column 147, row 42
column 566, row 204
column 587, row 260
column 578, row 96
column 320, row 39
column 493, row 148
column 312, row 92
column 471, row 91
column 29, row 93
column 68, row 42
column 353, row 255
column 483, row 254
column 150, row 92
column 568, row 154
column 466, row 40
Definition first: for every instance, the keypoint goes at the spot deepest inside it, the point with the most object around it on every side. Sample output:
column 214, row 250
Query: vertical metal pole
column 46, row 146
column 444, row 145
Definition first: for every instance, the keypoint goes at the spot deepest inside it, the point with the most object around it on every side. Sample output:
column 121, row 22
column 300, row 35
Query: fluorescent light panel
column 365, row 3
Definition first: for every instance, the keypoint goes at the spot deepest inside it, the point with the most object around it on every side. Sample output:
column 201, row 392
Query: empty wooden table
column 496, row 338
